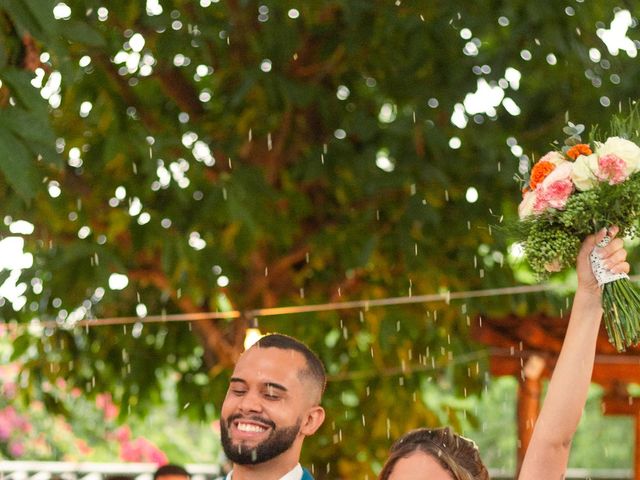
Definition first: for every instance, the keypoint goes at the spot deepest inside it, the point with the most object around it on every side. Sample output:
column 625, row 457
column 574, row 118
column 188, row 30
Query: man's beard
column 279, row 441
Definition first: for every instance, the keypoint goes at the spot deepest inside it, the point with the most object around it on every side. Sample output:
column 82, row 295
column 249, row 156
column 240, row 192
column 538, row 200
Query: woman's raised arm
column 548, row 452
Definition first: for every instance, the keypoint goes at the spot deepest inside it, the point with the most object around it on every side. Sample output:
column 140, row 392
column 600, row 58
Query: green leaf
column 18, row 165
column 34, row 130
column 4, row 274
column 19, row 82
column 3, row 52
column 20, row 345
column 42, row 12
column 23, row 16
column 80, row 32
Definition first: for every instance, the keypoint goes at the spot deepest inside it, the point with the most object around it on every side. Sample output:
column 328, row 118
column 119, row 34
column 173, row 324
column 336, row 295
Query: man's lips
column 244, row 426
column 248, row 428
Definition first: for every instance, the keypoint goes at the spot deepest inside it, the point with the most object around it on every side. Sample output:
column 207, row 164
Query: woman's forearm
column 569, row 385
column 560, row 415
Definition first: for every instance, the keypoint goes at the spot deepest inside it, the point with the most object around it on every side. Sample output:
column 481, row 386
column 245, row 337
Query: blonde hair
column 456, row 454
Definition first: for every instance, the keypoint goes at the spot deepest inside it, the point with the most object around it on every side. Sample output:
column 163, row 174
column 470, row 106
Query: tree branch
column 175, row 86
column 213, row 339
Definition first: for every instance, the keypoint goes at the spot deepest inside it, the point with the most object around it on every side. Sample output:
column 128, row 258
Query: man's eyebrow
column 276, row 386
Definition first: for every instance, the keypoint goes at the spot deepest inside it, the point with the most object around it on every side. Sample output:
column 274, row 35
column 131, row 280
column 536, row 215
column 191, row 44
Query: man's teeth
column 250, row 427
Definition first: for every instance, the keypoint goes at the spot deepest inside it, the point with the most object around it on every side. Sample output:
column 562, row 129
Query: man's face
column 266, row 405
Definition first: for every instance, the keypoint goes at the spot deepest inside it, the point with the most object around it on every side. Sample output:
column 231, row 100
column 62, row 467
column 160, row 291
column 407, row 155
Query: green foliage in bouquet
column 620, row 301
column 552, row 239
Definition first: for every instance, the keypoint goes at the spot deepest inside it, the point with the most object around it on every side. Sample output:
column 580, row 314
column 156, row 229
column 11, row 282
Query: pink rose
column 556, row 189
column 540, row 203
column 561, row 172
column 554, row 157
column 612, row 168
column 558, row 193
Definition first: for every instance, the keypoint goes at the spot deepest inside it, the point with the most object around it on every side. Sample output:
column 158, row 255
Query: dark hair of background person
column 119, row 477
column 170, row 469
column 456, row 454
column 315, row 369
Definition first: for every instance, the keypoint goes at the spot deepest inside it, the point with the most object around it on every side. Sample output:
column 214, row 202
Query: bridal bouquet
column 575, row 191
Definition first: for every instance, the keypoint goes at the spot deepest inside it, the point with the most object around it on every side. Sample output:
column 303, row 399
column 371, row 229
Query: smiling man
column 271, row 406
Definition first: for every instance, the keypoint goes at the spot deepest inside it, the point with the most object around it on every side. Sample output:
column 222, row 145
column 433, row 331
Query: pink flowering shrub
column 138, row 449
column 14, row 430
column 105, row 403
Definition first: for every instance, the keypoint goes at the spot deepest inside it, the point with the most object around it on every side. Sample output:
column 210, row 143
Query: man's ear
column 312, row 420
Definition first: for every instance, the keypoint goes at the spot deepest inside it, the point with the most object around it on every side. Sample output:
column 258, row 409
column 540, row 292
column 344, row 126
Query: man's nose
column 250, row 402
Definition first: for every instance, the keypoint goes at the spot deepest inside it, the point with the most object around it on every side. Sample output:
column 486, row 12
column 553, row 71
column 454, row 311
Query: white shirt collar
column 295, row 474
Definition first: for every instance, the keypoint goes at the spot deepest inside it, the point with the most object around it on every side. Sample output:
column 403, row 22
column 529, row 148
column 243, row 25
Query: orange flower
column 579, row 149
column 539, row 172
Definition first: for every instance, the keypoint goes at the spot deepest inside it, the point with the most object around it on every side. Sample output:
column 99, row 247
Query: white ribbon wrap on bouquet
column 599, row 270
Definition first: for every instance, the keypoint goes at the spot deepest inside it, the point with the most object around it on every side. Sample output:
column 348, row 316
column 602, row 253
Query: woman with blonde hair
column 442, row 455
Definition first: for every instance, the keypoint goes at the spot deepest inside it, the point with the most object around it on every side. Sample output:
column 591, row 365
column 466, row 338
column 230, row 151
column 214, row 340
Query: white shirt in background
column 295, row 474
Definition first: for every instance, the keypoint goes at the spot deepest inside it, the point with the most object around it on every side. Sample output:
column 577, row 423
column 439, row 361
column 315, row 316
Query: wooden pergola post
column 529, row 392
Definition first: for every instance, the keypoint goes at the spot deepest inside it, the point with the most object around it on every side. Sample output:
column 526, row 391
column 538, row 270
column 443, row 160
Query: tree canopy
column 176, row 156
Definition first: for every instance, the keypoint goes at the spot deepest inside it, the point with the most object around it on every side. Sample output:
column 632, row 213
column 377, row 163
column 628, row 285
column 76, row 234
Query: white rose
column 526, row 205
column 584, row 171
column 624, row 149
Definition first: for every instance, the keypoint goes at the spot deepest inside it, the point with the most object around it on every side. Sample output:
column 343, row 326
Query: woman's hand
column 613, row 255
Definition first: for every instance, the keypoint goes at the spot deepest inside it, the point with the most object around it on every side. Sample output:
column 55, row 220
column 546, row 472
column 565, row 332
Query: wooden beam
column 607, row 369
column 529, row 390
column 536, row 332
column 616, row 404
column 536, row 337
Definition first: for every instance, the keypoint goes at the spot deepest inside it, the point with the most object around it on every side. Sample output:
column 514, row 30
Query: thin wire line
column 332, row 306
column 407, row 370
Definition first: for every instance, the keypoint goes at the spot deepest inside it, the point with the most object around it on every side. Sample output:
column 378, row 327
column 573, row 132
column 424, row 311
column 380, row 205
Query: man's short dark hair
column 170, row 469
column 315, row 369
